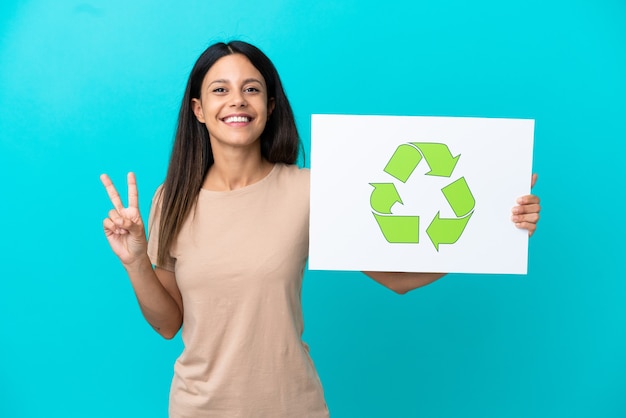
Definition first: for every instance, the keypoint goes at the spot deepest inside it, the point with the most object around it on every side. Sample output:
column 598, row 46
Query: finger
column 529, row 226
column 111, row 228
column 125, row 224
column 529, row 199
column 531, row 218
column 115, row 216
column 530, row 208
column 533, row 180
column 133, row 194
column 112, row 192
column 119, row 222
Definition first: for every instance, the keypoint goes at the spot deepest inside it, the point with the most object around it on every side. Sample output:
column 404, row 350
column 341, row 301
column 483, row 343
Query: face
column 233, row 103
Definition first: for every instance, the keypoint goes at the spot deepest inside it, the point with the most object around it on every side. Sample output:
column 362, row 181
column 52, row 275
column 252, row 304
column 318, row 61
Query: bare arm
column 158, row 297
column 156, row 290
column 403, row 282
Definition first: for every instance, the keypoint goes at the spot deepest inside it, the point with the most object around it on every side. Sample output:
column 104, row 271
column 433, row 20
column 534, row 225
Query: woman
column 228, row 239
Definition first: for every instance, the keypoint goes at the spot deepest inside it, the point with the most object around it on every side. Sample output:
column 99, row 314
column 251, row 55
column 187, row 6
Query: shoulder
column 158, row 195
column 293, row 181
column 157, row 203
column 294, row 174
column 157, row 198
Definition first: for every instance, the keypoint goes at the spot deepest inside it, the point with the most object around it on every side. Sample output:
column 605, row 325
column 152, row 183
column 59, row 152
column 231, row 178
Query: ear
column 196, row 106
column 271, row 104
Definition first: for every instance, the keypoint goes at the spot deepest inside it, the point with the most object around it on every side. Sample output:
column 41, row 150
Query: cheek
column 265, row 107
column 211, row 109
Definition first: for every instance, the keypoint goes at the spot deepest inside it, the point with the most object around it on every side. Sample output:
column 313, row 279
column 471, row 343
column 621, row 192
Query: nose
column 238, row 100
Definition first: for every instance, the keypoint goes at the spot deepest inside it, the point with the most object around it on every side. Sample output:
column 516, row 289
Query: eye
column 219, row 90
column 251, row 90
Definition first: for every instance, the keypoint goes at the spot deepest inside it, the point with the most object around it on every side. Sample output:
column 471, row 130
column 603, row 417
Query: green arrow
column 383, row 197
column 438, row 157
column 399, row 229
column 459, row 197
column 446, row 230
column 403, row 162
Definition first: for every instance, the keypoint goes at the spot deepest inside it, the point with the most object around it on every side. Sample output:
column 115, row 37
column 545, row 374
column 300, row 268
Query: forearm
column 158, row 306
column 403, row 282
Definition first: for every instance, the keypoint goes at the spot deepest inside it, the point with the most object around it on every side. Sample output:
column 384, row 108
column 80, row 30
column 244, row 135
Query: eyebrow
column 247, row 80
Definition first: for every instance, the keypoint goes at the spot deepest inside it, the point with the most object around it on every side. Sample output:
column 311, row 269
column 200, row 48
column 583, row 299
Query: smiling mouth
column 237, row 119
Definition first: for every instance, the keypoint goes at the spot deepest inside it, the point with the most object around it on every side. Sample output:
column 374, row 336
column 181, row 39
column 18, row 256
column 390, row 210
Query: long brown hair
column 192, row 156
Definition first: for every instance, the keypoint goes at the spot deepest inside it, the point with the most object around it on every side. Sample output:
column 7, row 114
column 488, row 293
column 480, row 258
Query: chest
column 241, row 246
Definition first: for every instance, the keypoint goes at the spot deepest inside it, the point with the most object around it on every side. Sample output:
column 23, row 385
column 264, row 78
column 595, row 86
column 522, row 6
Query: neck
column 231, row 171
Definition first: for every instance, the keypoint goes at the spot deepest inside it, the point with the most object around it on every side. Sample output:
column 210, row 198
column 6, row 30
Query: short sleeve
column 153, row 232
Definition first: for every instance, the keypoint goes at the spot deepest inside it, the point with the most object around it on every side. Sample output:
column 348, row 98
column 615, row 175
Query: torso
column 239, row 262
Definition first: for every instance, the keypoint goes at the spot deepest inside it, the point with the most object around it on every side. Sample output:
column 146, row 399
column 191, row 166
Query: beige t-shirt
column 239, row 261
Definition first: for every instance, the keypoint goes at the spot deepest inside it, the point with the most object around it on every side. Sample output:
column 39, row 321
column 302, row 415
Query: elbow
column 399, row 289
column 168, row 334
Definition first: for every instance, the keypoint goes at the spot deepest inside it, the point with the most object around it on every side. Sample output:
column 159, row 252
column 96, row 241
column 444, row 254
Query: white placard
column 378, row 205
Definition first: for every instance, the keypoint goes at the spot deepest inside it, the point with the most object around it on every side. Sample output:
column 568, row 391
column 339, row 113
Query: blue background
column 92, row 87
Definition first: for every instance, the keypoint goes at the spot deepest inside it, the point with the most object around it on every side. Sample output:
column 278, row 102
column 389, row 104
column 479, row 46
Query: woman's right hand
column 124, row 227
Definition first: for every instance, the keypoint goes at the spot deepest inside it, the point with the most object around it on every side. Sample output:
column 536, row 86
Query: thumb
column 136, row 228
column 132, row 226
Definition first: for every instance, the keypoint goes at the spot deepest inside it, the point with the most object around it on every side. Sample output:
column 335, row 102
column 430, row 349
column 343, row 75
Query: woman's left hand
column 526, row 213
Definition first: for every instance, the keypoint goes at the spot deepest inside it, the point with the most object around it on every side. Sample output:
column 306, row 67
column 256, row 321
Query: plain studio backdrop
column 93, row 87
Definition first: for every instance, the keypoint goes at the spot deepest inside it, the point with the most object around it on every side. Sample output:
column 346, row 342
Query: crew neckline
column 242, row 190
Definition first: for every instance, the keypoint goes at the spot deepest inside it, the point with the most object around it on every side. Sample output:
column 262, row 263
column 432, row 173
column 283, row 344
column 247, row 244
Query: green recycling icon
column 405, row 229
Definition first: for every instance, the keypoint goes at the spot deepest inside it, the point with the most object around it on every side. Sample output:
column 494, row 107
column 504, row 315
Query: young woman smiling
column 228, row 243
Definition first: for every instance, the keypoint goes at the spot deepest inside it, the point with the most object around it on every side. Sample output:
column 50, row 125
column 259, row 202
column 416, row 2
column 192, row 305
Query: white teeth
column 235, row 119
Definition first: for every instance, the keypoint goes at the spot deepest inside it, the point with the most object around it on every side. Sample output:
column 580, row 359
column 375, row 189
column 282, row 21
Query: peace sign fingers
column 133, row 194
column 124, row 227
column 112, row 192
